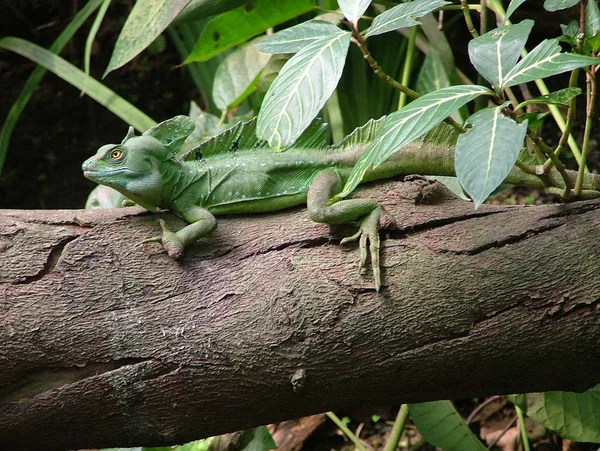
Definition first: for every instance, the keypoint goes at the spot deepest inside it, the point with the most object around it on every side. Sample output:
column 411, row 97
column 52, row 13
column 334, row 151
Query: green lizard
column 234, row 173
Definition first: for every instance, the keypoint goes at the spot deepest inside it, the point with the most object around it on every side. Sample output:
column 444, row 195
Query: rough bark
column 106, row 342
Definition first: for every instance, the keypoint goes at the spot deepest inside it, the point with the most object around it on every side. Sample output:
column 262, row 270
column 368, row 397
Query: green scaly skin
column 144, row 169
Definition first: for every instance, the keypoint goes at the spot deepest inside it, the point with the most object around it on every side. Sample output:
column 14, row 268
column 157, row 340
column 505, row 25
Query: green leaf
column 257, row 439
column 486, row 153
column 556, row 5
column 293, row 39
column 301, row 89
column 237, row 76
column 544, row 61
column 512, row 7
column 432, row 75
column 201, row 9
column 409, row 123
column 89, row 42
column 353, row 9
column 495, row 53
column 240, row 24
column 574, row 416
column 80, row 80
column 17, row 108
column 452, row 184
column 147, row 20
column 562, row 97
column 592, row 19
column 441, row 425
column 403, row 15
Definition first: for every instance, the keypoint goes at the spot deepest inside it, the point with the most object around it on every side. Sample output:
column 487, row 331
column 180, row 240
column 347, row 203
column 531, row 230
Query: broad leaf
column 556, row 5
column 562, row 97
column 495, row 53
column 403, row 15
column 240, row 24
column 409, row 123
column 512, row 7
column 452, row 184
column 575, row 416
column 147, row 20
column 353, row 9
column 592, row 19
column 301, row 89
column 544, row 61
column 201, row 9
column 256, row 439
column 292, row 40
column 80, row 80
column 237, row 76
column 442, row 426
column 486, row 153
column 432, row 75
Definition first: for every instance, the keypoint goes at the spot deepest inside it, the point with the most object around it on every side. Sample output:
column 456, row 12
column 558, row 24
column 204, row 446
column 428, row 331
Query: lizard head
column 137, row 165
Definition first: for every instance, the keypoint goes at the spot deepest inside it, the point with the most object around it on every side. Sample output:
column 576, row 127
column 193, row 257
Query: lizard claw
column 170, row 241
column 369, row 243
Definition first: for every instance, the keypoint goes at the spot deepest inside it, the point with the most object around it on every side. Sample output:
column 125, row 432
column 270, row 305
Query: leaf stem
column 467, row 13
column 362, row 45
column 522, row 428
column 396, row 433
column 353, row 438
column 590, row 110
column 408, row 64
column 566, row 132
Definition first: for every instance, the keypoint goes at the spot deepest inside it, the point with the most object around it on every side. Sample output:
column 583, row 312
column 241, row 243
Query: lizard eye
column 116, row 154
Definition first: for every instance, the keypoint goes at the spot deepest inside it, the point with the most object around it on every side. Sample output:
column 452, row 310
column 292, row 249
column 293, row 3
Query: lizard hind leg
column 371, row 216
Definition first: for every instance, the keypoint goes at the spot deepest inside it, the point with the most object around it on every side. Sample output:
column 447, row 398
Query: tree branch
column 106, row 342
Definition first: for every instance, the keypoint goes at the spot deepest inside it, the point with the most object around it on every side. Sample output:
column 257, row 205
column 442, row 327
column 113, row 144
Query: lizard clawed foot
column 369, row 241
column 169, row 240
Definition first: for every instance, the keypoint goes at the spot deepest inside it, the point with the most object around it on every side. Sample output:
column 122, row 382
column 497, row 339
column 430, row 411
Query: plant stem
column 397, row 429
column 408, row 64
column 560, row 167
column 591, row 100
column 522, row 428
column 361, row 43
column 467, row 13
column 571, row 113
column 353, row 438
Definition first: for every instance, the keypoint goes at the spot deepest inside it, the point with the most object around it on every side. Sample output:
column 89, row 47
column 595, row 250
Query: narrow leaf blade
column 403, row 15
column 409, row 123
column 442, row 426
column 71, row 74
column 301, row 89
column 37, row 74
column 240, row 24
column 293, row 39
column 353, row 9
column 486, row 153
column 544, row 61
column 147, row 20
column 495, row 53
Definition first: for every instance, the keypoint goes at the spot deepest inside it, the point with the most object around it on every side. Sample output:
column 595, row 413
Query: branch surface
column 109, row 343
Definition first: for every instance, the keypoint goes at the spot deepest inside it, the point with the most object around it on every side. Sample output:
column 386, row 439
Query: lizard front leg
column 371, row 215
column 202, row 222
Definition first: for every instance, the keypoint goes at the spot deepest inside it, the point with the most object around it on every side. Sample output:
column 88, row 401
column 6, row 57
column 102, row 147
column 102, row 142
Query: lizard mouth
column 90, row 174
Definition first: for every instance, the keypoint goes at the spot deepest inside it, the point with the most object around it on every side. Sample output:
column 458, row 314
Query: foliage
column 326, row 75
